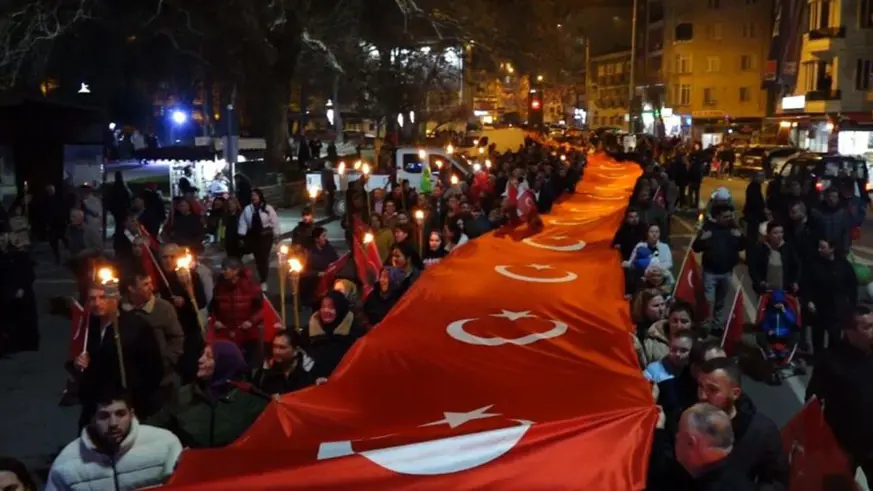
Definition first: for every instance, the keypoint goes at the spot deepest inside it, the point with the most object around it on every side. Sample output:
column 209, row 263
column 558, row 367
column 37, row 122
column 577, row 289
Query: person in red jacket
column 237, row 310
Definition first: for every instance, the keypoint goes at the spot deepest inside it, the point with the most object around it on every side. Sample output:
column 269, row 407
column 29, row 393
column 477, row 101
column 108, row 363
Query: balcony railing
column 827, row 33
column 823, row 95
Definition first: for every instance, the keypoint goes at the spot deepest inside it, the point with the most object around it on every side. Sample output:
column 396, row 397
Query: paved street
column 34, row 427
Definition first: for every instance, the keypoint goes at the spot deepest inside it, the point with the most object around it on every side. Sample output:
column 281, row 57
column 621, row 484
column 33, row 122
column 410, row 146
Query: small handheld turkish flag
column 816, row 461
column 272, row 320
column 689, row 286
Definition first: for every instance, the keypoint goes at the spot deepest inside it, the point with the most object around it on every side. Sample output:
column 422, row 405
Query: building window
column 709, row 97
column 865, row 18
column 682, row 94
column 749, row 31
column 863, row 74
column 820, row 14
column 745, row 94
column 714, row 4
column 715, row 31
column 684, row 32
column 747, row 62
column 683, row 64
column 713, row 64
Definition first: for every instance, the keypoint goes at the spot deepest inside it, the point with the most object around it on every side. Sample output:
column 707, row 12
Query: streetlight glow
column 179, row 117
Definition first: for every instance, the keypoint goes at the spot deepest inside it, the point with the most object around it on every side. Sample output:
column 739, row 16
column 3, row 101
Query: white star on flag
column 457, row 419
column 539, row 267
column 514, row 316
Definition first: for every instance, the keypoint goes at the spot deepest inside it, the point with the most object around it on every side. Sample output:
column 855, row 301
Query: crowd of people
column 181, row 358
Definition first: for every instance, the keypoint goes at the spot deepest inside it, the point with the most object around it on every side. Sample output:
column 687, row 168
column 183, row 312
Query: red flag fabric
column 817, row 463
column 325, row 283
column 368, row 263
column 735, row 325
column 78, row 331
column 403, row 412
column 689, row 285
column 272, row 320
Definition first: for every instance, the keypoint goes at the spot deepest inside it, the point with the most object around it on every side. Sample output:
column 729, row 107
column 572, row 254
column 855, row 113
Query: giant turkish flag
column 507, row 366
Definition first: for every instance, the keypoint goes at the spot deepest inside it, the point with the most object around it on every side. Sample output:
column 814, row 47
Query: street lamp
column 295, row 267
column 539, row 78
column 179, row 117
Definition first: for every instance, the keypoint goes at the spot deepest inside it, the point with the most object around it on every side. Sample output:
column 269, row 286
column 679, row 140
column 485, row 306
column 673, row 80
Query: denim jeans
column 715, row 289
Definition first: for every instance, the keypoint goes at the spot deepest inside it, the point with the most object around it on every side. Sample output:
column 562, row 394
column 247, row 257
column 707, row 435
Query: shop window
column 684, row 32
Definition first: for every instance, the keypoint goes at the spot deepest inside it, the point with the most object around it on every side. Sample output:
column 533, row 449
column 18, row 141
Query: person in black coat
column 757, row 450
column 331, row 332
column 701, row 458
column 387, row 293
column 841, row 379
column 720, row 241
column 177, row 294
column 754, row 210
column 830, row 292
column 99, row 364
column 288, row 370
column 19, row 328
column 774, row 257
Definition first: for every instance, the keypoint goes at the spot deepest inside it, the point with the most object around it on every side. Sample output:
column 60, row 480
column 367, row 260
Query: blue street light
column 179, row 117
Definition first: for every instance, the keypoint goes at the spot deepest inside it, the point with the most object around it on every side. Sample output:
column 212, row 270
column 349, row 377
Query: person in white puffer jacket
column 115, row 452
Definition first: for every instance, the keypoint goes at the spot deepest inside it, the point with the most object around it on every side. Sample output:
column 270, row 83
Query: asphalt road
column 34, row 428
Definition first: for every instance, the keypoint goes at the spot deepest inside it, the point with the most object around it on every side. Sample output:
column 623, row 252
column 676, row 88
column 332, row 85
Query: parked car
column 818, row 171
column 762, row 158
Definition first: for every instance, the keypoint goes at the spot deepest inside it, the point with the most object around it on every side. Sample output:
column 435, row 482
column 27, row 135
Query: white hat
column 722, row 193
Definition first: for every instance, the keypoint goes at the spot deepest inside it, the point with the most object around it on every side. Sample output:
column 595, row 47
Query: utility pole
column 633, row 61
column 588, row 95
column 230, row 145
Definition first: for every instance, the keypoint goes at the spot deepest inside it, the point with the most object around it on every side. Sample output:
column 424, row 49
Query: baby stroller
column 782, row 348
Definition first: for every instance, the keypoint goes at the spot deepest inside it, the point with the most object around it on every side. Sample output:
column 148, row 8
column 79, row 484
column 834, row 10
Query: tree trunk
column 277, row 96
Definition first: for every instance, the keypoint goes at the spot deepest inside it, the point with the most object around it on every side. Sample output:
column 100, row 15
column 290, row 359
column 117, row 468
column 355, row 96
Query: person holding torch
column 184, row 289
column 121, row 351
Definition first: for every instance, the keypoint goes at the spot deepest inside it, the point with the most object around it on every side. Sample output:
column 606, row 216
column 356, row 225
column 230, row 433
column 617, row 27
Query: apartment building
column 830, row 107
column 609, row 101
column 712, row 59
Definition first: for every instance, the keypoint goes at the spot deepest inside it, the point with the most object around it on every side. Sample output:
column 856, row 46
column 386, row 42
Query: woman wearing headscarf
column 332, row 331
column 387, row 293
column 259, row 224
column 212, row 411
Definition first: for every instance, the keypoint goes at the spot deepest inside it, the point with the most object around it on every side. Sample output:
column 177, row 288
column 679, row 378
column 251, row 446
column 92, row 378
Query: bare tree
column 28, row 28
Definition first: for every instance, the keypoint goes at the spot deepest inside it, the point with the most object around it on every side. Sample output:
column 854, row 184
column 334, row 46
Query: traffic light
column 535, row 109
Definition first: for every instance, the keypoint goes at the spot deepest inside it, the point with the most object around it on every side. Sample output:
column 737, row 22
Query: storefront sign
column 793, row 102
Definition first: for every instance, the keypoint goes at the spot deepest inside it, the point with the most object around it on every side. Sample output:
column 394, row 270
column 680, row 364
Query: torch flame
column 283, row 250
column 106, row 276
column 341, row 169
column 450, row 148
column 365, row 169
column 295, row 265
column 368, row 237
column 358, row 165
column 419, row 215
column 184, row 262
column 454, row 180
